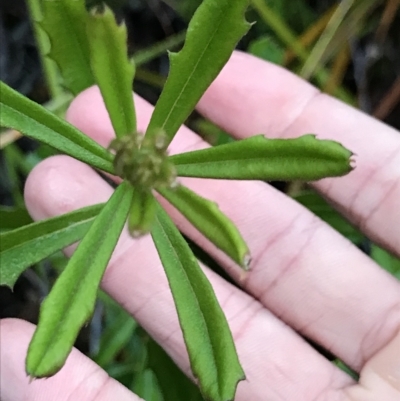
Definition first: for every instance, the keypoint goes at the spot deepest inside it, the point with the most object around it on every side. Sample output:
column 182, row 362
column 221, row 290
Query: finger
column 380, row 377
column 273, row 101
column 269, row 351
column 79, row 379
column 302, row 270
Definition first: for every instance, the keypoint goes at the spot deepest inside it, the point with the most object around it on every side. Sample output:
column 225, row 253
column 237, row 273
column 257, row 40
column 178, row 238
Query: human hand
column 304, row 276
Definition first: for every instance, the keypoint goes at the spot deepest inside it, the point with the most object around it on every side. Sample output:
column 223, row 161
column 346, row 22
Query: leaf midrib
column 60, row 137
column 255, row 159
column 78, row 280
column 172, row 108
column 197, row 302
column 76, row 36
column 120, row 84
column 45, row 236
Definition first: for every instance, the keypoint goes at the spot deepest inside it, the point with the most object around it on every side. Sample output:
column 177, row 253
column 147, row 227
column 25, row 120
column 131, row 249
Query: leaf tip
column 352, row 161
column 8, row 284
column 246, row 262
column 98, row 10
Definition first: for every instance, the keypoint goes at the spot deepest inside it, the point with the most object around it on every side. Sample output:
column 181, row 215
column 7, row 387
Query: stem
column 49, row 66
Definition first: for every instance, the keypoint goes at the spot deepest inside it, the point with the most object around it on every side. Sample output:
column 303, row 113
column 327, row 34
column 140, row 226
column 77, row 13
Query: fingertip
column 88, row 113
column 14, row 338
column 61, row 184
column 79, row 379
column 10, row 327
column 245, row 83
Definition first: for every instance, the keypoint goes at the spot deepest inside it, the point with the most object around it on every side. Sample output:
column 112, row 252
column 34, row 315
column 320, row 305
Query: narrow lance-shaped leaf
column 206, row 332
column 65, row 22
column 115, row 337
column 142, row 213
column 258, row 158
column 212, row 35
column 19, row 113
column 112, row 69
column 166, row 371
column 21, row 248
column 13, row 217
column 72, row 299
column 206, row 216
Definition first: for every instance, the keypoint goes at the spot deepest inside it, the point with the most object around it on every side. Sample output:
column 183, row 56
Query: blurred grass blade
column 275, row 22
column 25, row 246
column 206, row 216
column 338, row 70
column 112, row 69
column 386, row 260
column 13, row 217
column 289, row 38
column 206, row 332
column 114, row 338
column 349, row 28
column 314, row 60
column 213, row 33
column 65, row 21
column 258, row 158
column 266, row 48
column 388, row 17
column 8, row 137
column 167, row 372
column 145, row 386
column 159, row 49
column 72, row 299
column 19, row 113
column 311, row 34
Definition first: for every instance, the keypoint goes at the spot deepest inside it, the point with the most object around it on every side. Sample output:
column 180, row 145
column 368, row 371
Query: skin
column 305, row 278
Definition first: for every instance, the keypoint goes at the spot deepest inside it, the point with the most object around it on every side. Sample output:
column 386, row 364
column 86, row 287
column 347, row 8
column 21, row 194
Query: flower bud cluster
column 143, row 161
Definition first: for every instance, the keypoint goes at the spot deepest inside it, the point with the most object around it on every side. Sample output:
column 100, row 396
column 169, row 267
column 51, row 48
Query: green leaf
column 150, row 53
column 206, row 332
column 206, row 216
column 266, row 48
column 386, row 260
column 13, row 217
column 145, row 386
column 71, row 301
column 142, row 213
column 114, row 338
column 259, row 158
column 22, row 248
column 50, row 70
column 341, row 365
column 167, row 372
column 112, row 69
column 212, row 35
column 65, row 22
column 20, row 113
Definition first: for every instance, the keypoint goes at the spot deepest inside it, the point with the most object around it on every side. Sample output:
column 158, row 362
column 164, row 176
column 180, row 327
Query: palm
column 303, row 273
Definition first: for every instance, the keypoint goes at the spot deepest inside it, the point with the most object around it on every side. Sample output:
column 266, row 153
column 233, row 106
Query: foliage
column 86, row 56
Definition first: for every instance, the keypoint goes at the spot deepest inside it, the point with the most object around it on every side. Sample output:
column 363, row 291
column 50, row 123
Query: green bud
column 143, row 162
column 142, row 213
